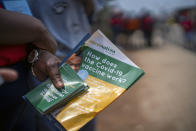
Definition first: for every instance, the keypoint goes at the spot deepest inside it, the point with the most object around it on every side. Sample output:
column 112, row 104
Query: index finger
column 54, row 75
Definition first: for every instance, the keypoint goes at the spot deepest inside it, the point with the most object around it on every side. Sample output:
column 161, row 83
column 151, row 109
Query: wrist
column 46, row 42
column 33, row 57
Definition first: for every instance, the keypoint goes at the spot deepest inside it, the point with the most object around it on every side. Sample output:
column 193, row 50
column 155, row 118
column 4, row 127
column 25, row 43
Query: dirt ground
column 162, row 100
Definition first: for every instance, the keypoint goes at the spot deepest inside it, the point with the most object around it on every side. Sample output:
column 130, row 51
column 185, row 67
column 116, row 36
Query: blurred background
column 160, row 37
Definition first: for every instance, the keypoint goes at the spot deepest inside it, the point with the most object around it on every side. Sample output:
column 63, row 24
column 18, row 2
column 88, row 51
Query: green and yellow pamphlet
column 108, row 73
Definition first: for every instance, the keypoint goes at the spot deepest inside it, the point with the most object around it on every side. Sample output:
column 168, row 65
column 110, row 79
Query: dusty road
column 163, row 100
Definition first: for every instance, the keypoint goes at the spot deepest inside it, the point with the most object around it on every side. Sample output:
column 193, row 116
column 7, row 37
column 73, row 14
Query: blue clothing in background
column 65, row 19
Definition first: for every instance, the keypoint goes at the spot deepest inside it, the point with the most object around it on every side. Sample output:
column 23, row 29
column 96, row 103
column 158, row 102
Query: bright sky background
column 154, row 5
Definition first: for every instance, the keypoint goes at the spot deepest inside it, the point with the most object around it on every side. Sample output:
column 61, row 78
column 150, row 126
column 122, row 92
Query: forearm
column 88, row 6
column 16, row 28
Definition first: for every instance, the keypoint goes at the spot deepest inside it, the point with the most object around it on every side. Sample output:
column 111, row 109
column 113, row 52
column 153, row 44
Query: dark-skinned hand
column 47, row 66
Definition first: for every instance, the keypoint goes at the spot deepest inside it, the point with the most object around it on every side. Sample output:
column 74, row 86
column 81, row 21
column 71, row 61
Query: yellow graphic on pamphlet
column 85, row 107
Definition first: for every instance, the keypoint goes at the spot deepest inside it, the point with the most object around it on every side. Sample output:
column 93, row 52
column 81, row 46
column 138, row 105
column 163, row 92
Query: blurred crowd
column 127, row 24
column 186, row 20
column 146, row 22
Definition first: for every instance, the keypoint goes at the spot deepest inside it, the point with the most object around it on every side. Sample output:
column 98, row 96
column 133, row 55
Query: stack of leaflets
column 46, row 97
column 108, row 74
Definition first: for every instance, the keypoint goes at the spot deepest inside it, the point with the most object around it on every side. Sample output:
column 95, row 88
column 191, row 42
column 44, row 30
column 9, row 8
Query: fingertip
column 13, row 75
column 59, row 84
column 9, row 74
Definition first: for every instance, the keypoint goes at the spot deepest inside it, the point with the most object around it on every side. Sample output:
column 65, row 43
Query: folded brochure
column 108, row 74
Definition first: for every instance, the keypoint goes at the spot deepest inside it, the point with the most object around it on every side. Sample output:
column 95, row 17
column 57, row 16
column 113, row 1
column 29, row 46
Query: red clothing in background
column 10, row 54
column 187, row 25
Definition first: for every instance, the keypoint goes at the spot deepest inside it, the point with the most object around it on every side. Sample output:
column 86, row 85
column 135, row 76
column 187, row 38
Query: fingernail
column 60, row 84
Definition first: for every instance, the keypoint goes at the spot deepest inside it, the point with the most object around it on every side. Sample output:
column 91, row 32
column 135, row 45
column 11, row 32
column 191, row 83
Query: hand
column 47, row 65
column 74, row 61
column 8, row 75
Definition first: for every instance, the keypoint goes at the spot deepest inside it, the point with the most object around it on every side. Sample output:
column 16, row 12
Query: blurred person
column 117, row 24
column 67, row 20
column 133, row 25
column 187, row 26
column 17, row 31
column 147, row 25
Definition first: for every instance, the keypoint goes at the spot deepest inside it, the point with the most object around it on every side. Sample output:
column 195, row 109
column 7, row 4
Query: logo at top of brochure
column 106, row 48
